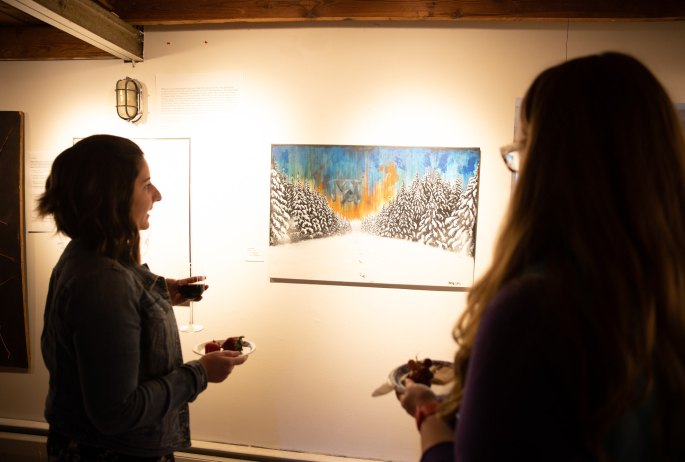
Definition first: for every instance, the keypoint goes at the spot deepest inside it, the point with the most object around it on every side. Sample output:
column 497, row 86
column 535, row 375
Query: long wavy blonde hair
column 601, row 190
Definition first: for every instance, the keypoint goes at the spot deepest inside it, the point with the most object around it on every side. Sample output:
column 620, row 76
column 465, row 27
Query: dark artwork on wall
column 14, row 346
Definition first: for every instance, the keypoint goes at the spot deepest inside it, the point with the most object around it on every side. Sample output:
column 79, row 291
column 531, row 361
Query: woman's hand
column 416, row 394
column 172, row 287
column 434, row 430
column 219, row 364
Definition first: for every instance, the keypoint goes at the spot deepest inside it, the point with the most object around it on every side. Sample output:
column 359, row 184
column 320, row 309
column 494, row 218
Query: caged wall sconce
column 129, row 98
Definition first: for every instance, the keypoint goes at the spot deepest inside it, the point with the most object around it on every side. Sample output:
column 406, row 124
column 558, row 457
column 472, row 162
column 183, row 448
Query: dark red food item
column 212, row 346
column 233, row 344
column 423, row 376
column 420, row 372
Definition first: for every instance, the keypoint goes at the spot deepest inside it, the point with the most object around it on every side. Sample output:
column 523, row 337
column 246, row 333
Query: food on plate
column 212, row 346
column 427, row 372
column 233, row 344
column 230, row 344
column 420, row 372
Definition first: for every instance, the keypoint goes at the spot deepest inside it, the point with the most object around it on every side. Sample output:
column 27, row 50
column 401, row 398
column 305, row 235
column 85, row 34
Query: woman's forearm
column 434, row 430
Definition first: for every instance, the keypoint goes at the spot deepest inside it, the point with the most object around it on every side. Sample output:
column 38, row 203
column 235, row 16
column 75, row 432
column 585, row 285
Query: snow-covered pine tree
column 323, row 208
column 331, row 222
column 440, row 196
column 381, row 221
column 288, row 190
column 425, row 197
column 404, row 225
column 305, row 225
column 392, row 226
column 452, row 220
column 458, row 187
column 427, row 184
column 388, row 225
column 368, row 223
column 455, row 192
column 462, row 224
column 416, row 206
column 279, row 205
column 312, row 210
column 298, row 209
column 432, row 226
column 344, row 225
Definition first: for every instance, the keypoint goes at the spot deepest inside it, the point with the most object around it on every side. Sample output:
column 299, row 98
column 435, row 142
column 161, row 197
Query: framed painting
column 14, row 333
column 374, row 215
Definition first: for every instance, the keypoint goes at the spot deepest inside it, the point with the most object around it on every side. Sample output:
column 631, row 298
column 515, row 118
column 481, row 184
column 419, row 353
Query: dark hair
column 90, row 192
column 600, row 197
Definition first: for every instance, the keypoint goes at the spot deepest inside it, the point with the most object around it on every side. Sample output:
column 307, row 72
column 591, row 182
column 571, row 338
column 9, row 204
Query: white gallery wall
column 322, row 349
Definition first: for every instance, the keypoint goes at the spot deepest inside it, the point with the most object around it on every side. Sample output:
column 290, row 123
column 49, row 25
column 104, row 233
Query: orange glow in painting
column 379, row 171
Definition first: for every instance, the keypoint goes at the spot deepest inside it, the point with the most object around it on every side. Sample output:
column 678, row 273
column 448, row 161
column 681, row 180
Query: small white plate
column 398, row 374
column 248, row 347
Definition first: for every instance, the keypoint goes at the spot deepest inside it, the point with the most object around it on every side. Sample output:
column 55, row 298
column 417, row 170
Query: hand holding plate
column 415, row 395
column 220, row 364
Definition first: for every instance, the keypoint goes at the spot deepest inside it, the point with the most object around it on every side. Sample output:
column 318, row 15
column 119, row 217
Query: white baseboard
column 25, row 441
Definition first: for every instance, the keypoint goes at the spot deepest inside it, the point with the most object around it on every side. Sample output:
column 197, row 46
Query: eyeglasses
column 511, row 155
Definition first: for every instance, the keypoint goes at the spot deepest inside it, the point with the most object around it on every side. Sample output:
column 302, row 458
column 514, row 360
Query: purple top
column 515, row 400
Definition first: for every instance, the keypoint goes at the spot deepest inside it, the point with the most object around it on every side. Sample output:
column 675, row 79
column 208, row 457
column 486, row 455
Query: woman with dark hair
column 119, row 389
column 572, row 345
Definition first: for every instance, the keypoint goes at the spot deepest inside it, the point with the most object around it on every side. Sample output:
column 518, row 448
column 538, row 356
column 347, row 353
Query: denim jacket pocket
column 155, row 335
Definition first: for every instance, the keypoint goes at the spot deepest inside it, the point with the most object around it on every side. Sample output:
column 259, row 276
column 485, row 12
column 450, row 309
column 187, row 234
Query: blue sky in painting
column 381, row 169
column 324, row 163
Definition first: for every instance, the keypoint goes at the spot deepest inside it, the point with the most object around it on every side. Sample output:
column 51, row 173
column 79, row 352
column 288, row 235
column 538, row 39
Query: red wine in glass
column 192, row 291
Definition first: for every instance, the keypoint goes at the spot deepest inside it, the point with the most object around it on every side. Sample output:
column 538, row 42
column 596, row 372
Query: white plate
column 248, row 347
column 399, row 373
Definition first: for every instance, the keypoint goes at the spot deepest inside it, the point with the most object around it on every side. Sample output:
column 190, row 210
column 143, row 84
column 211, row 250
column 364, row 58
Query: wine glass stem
column 191, row 314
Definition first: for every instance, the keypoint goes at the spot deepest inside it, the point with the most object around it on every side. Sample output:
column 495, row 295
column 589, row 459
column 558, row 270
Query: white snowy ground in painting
column 364, row 258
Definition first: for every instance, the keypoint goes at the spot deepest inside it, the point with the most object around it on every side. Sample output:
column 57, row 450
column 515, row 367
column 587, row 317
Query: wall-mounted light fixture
column 129, row 98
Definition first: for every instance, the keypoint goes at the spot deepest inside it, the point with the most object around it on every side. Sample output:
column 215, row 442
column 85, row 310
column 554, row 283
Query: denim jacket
column 110, row 342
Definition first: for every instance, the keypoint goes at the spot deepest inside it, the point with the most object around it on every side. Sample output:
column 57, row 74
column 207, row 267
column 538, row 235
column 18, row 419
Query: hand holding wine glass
column 191, row 285
column 177, row 299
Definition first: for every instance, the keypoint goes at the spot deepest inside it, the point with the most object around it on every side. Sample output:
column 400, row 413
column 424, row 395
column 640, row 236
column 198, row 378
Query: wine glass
column 192, row 291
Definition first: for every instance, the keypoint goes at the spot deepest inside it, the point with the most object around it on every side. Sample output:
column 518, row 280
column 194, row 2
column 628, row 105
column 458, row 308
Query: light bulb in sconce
column 129, row 96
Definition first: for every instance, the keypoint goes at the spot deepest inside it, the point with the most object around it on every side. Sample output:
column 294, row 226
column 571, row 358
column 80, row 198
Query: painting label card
column 254, row 254
column 39, row 165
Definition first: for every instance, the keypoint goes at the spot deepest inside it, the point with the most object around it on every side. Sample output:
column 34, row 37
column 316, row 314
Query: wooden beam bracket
column 89, row 22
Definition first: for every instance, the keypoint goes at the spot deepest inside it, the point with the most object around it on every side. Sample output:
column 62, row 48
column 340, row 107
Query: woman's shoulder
column 519, row 298
column 79, row 265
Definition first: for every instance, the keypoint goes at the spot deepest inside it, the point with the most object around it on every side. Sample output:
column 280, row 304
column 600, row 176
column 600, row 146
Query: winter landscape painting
column 375, row 215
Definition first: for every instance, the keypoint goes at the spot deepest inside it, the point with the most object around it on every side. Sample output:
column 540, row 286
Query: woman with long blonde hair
column 572, row 345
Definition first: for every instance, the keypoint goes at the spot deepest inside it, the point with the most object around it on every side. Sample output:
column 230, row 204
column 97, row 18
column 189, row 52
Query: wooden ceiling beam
column 87, row 21
column 99, row 34
column 10, row 16
column 44, row 43
column 167, row 12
